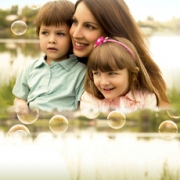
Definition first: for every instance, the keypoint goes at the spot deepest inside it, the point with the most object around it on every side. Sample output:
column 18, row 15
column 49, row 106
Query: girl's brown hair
column 55, row 13
column 116, row 20
column 110, row 56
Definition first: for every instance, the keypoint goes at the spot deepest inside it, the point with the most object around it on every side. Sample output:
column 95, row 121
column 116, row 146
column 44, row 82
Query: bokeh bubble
column 44, row 139
column 116, row 119
column 27, row 116
column 18, row 27
column 168, row 129
column 173, row 114
column 156, row 115
column 58, row 124
column 18, row 134
column 90, row 111
column 34, row 6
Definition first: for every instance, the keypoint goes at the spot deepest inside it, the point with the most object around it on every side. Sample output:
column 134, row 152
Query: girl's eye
column 95, row 73
column 112, row 73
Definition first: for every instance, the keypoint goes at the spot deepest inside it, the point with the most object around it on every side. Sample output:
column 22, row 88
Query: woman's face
column 85, row 30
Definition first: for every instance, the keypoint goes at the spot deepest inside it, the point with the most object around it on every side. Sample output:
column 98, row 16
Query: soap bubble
column 116, row 119
column 173, row 114
column 58, row 124
column 168, row 129
column 90, row 111
column 18, row 134
column 44, row 139
column 34, row 6
column 18, row 27
column 27, row 116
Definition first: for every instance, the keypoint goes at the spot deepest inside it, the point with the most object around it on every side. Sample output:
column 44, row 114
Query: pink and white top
column 144, row 100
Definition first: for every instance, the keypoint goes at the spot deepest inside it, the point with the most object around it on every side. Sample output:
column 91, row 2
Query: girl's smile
column 112, row 84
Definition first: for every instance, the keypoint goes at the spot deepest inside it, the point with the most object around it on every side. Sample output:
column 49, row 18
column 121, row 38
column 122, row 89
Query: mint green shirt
column 57, row 86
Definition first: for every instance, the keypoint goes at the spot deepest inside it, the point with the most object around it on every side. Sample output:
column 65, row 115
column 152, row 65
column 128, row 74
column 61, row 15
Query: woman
column 95, row 18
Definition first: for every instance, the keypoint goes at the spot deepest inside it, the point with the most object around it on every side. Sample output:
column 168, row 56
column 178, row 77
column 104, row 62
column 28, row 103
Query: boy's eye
column 60, row 34
column 44, row 32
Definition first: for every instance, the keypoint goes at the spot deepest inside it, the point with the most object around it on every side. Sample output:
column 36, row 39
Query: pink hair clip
column 99, row 41
column 103, row 40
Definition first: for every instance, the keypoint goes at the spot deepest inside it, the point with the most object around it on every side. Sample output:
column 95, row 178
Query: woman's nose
column 76, row 32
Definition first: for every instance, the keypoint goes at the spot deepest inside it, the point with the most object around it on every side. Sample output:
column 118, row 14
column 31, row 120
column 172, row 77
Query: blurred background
column 160, row 21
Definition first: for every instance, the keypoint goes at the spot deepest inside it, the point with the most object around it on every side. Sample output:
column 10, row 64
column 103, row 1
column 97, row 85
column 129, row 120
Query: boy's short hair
column 55, row 13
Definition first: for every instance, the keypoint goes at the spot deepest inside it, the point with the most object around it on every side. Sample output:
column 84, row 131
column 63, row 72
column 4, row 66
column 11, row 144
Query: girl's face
column 85, row 30
column 112, row 84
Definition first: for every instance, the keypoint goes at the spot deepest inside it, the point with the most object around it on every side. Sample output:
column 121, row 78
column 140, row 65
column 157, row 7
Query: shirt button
column 55, row 67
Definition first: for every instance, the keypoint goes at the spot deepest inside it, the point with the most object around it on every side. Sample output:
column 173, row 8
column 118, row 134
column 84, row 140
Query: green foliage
column 4, row 22
column 6, row 98
column 174, row 96
column 29, row 16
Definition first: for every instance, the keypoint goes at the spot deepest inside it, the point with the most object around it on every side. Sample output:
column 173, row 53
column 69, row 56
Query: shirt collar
column 68, row 63
column 41, row 61
column 137, row 95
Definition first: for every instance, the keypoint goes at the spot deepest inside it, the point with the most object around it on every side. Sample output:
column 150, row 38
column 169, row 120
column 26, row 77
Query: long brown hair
column 110, row 56
column 116, row 20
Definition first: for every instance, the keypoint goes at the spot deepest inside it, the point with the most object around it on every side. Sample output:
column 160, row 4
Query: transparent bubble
column 90, row 111
column 18, row 134
column 27, row 116
column 34, row 6
column 168, row 129
column 156, row 115
column 173, row 114
column 116, row 119
column 44, row 139
column 18, row 27
column 58, row 124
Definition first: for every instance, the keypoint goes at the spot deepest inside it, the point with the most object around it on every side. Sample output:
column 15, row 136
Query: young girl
column 117, row 79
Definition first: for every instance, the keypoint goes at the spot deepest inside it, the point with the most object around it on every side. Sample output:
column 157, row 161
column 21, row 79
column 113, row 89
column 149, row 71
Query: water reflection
column 165, row 51
column 14, row 56
column 93, row 155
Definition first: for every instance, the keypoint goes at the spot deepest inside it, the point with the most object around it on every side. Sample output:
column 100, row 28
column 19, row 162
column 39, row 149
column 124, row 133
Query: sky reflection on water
column 91, row 156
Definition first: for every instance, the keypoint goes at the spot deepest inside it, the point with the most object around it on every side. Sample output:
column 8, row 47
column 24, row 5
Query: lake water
column 90, row 154
column 165, row 52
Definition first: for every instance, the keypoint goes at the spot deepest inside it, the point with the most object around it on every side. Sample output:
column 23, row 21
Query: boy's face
column 55, row 42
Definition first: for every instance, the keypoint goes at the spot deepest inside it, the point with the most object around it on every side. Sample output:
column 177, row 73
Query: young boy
column 55, row 81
